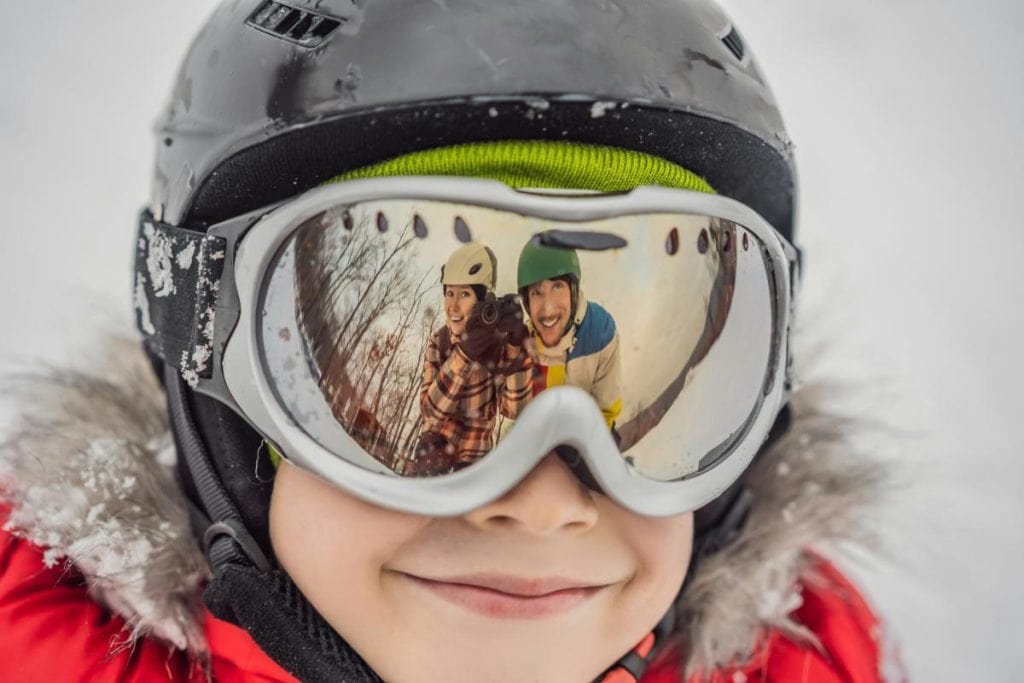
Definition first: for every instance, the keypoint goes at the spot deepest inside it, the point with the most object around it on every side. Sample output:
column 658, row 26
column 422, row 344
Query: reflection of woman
column 577, row 342
column 474, row 366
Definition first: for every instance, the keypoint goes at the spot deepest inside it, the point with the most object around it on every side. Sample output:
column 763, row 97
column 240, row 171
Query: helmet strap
column 631, row 666
column 574, row 302
column 222, row 529
column 246, row 589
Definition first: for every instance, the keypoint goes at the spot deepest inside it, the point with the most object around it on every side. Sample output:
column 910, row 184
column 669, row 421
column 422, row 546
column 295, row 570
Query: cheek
column 564, row 299
column 334, row 546
column 661, row 548
column 664, row 545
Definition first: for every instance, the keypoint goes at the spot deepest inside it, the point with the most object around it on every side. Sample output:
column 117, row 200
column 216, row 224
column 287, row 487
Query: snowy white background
column 908, row 117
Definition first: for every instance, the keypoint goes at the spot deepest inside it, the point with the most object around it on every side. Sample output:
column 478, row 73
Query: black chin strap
column 285, row 625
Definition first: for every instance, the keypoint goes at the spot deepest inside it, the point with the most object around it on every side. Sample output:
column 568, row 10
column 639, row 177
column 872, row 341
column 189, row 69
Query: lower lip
column 498, row 605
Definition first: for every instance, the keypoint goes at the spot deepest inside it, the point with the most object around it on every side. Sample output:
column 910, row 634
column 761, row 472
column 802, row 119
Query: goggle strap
column 177, row 281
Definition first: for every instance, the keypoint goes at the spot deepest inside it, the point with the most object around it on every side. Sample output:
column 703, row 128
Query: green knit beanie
column 540, row 164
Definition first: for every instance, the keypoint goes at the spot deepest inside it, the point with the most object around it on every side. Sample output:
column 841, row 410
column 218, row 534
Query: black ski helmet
column 274, row 98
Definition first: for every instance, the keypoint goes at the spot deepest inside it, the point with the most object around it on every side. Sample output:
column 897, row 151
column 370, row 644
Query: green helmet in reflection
column 539, row 262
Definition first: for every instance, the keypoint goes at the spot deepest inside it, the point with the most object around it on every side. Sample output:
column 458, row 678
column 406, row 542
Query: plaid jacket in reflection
column 460, row 399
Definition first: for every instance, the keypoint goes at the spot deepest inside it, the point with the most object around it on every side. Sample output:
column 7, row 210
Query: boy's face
column 551, row 582
column 550, row 303
column 458, row 306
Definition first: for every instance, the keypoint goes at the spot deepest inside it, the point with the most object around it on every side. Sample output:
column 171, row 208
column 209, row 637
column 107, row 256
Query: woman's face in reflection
column 458, row 306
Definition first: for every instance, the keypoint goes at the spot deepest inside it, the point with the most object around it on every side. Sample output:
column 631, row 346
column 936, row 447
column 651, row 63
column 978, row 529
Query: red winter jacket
column 50, row 630
column 839, row 618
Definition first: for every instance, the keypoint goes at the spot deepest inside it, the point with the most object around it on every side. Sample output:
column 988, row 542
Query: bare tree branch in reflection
column 389, row 380
column 409, row 420
column 359, row 297
column 349, row 252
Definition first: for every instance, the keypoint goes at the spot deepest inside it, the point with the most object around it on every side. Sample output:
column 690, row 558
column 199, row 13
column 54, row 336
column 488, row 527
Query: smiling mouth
column 549, row 323
column 503, row 597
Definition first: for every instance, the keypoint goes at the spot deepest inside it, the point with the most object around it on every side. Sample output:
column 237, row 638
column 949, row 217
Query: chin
column 509, row 658
column 550, row 340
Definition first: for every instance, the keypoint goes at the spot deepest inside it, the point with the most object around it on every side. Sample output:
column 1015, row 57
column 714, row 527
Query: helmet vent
column 299, row 26
column 734, row 42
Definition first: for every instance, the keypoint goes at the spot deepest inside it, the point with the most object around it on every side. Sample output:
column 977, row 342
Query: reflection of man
column 474, row 366
column 577, row 342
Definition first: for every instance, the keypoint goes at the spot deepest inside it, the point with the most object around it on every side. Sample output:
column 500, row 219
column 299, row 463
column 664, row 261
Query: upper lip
column 515, row 585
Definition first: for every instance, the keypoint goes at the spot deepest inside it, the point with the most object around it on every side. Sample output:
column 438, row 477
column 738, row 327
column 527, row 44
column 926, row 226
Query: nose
column 550, row 499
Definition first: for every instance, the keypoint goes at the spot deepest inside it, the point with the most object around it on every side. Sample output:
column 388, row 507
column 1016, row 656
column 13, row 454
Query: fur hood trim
column 88, row 473
column 816, row 491
column 87, row 470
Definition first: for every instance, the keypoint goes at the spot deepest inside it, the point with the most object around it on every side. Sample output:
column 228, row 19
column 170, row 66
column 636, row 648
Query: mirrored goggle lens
column 409, row 336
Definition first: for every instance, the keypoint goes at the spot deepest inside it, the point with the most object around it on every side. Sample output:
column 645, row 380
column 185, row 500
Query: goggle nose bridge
column 578, row 466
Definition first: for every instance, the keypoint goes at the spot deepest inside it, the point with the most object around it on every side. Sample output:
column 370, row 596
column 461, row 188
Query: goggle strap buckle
column 236, row 531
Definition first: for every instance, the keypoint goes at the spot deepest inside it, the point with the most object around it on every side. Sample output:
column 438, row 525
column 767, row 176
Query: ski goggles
column 648, row 331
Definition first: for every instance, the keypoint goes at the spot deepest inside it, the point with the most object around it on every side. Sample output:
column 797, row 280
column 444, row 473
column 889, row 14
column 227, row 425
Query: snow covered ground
column 907, row 119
